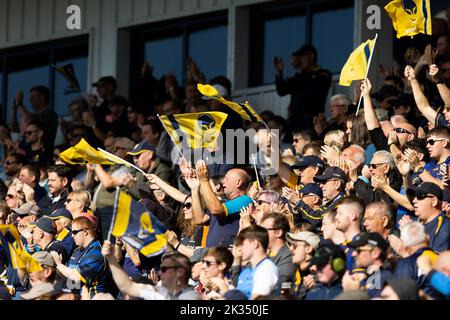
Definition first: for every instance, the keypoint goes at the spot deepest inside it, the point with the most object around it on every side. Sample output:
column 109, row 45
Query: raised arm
column 211, row 200
column 444, row 91
column 105, row 178
column 421, row 100
column 173, row 192
column 369, row 112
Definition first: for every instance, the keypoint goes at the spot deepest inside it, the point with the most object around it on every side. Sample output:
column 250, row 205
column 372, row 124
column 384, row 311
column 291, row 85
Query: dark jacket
column 286, row 269
column 325, row 292
column 48, row 205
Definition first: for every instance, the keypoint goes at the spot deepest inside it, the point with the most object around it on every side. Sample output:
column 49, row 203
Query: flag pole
column 179, row 151
column 121, row 161
column 116, row 202
column 367, row 71
column 256, row 170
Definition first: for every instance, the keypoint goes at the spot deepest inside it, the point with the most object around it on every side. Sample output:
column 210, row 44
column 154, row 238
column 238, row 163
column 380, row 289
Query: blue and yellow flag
column 410, row 17
column 138, row 227
column 357, row 64
column 83, row 153
column 197, row 130
column 243, row 109
column 68, row 72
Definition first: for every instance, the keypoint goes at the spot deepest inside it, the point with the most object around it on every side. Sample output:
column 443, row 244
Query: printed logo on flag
column 409, row 6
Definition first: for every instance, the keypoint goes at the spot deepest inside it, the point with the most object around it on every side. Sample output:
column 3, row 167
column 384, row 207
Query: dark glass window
column 165, row 55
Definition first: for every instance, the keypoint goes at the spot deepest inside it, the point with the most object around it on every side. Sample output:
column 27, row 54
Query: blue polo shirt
column 93, row 269
column 438, row 230
column 438, row 170
column 223, row 229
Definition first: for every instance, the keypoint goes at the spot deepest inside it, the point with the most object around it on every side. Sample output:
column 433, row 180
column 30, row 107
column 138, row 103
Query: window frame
column 53, row 50
column 260, row 13
column 167, row 28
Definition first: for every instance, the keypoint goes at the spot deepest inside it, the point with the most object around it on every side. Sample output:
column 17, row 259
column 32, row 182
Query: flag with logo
column 410, row 17
column 243, row 109
column 137, row 226
column 68, row 72
column 17, row 256
column 83, row 153
column 357, row 64
column 197, row 130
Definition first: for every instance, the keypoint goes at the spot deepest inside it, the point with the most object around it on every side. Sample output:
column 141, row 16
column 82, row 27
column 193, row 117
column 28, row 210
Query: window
column 282, row 28
column 166, row 46
column 29, row 66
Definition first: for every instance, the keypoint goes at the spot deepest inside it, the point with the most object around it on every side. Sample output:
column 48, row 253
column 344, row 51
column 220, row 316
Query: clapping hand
column 202, row 171
column 292, row 195
column 410, row 74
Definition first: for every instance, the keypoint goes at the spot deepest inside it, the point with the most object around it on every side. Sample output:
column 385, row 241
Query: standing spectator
column 264, row 275
column 308, row 87
column 59, row 181
column 154, row 133
column 106, row 89
column 87, row 264
column 37, row 151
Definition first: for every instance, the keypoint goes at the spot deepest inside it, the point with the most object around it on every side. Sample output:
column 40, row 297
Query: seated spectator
column 44, row 237
column 59, row 181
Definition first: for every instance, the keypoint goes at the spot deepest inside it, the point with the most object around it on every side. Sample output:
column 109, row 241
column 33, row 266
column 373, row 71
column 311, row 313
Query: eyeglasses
column 431, row 142
column 187, row 205
column 165, row 268
column 376, row 165
column 401, row 130
column 75, row 232
column 29, row 132
column 423, row 196
column 209, row 263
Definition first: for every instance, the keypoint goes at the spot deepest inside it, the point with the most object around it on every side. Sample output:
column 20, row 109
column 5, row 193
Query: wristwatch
column 420, row 170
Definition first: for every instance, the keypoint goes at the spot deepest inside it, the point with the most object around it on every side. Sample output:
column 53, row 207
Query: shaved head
column 235, row 181
column 443, row 263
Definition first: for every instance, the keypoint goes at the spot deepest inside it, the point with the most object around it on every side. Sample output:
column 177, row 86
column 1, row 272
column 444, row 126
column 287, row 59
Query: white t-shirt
column 150, row 292
column 265, row 278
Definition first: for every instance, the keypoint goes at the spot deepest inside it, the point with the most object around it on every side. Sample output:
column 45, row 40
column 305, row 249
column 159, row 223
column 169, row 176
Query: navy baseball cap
column 308, row 161
column 45, row 224
column 331, row 173
column 425, row 189
column 371, row 238
column 312, row 188
column 61, row 213
column 141, row 147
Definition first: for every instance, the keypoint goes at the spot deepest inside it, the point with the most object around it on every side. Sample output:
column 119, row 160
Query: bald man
column 439, row 276
column 223, row 217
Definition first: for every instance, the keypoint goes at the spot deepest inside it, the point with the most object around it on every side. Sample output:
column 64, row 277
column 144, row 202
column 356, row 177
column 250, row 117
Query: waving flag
column 243, row 109
column 138, row 227
column 83, row 153
column 357, row 64
column 410, row 17
column 198, row 130
column 68, row 72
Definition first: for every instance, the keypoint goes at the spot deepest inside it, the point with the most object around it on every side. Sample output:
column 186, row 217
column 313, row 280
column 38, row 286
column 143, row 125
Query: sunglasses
column 260, row 202
column 431, row 142
column 187, row 205
column 163, row 269
column 359, row 250
column 10, row 196
column 29, row 133
column 75, row 232
column 421, row 196
column 376, row 165
column 209, row 263
column 9, row 162
column 401, row 130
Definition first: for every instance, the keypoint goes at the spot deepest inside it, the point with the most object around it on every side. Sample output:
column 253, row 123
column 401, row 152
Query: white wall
column 29, row 21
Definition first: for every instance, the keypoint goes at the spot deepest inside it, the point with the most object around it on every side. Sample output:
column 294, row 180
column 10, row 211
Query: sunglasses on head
column 401, row 130
column 431, row 142
column 187, row 205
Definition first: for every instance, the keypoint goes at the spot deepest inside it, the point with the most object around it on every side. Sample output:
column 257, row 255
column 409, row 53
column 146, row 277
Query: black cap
column 424, row 189
column 61, row 213
column 45, row 224
column 331, row 173
column 307, row 48
column 326, row 252
column 308, row 161
column 371, row 238
column 386, row 91
column 312, row 188
column 108, row 79
column 405, row 99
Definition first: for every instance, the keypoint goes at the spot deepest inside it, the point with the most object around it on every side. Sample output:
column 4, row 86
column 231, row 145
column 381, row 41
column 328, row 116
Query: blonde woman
column 18, row 194
column 78, row 202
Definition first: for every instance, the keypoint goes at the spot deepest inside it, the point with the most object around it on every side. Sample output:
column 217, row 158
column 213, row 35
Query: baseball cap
column 37, row 291
column 330, row 173
column 108, row 79
column 312, row 188
column 44, row 258
column 308, row 161
column 198, row 255
column 424, row 189
column 386, row 91
column 61, row 213
column 45, row 224
column 371, row 238
column 27, row 209
column 307, row 48
column 141, row 148
column 307, row 236
column 326, row 252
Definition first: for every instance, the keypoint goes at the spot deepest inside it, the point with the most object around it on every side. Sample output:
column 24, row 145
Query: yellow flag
column 243, row 109
column 198, row 130
column 410, row 17
column 83, row 153
column 357, row 64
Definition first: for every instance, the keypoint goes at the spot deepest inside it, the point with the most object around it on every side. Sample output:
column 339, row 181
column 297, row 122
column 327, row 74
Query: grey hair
column 342, row 99
column 413, row 234
column 387, row 156
column 383, row 209
column 128, row 143
column 360, row 155
column 271, row 196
